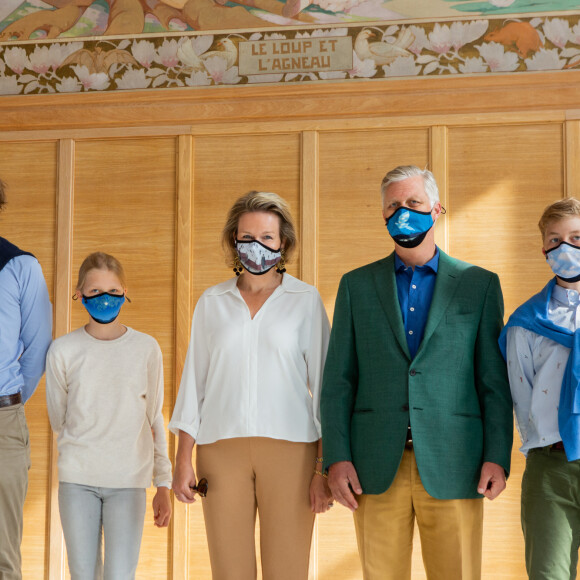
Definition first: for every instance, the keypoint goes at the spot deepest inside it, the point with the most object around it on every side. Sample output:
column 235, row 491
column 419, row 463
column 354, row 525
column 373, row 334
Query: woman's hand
column 183, row 481
column 320, row 496
column 162, row 507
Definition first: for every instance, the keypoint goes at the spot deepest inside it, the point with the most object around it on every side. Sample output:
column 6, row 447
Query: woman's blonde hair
column 100, row 261
column 259, row 201
column 559, row 210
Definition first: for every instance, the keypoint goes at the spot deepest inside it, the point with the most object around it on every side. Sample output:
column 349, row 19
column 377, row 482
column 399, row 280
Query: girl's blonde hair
column 559, row 210
column 100, row 261
column 259, row 201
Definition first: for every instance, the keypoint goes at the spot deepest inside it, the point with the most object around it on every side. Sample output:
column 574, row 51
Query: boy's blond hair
column 559, row 210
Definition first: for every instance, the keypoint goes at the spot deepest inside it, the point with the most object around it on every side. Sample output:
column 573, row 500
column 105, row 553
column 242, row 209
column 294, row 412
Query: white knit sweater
column 105, row 400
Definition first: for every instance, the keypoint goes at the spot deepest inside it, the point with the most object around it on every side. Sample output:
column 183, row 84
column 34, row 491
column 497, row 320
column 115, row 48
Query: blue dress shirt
column 415, row 291
column 25, row 326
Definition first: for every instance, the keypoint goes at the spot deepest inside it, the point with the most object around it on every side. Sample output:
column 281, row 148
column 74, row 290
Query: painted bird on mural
column 100, row 60
column 382, row 52
column 195, row 61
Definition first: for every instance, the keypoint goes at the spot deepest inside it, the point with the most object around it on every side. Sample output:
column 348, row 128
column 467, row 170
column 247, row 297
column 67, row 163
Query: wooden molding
column 183, row 314
column 309, row 208
column 62, row 325
column 510, row 94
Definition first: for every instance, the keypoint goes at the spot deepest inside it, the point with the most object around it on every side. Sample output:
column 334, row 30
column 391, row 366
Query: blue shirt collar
column 432, row 264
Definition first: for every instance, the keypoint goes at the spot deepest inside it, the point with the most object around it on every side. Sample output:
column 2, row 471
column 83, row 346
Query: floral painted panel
column 31, row 19
column 474, row 47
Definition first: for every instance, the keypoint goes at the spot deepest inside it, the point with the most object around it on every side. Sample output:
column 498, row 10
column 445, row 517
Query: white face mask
column 564, row 260
column 257, row 258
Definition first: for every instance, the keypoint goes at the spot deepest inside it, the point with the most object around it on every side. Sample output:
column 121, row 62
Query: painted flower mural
column 475, row 47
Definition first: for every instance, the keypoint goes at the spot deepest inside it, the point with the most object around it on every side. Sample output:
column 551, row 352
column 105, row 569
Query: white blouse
column 257, row 377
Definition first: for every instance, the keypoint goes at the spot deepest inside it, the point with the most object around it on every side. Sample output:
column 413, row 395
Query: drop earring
column 281, row 265
column 237, row 266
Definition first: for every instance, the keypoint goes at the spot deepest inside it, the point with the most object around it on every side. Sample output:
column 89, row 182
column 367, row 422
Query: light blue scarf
column 533, row 315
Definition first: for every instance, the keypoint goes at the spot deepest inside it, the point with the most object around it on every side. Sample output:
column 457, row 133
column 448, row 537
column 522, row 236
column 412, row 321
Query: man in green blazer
column 416, row 406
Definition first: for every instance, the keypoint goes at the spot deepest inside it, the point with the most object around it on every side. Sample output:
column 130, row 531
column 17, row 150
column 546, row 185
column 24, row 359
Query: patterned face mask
column 564, row 260
column 257, row 258
column 408, row 227
column 105, row 307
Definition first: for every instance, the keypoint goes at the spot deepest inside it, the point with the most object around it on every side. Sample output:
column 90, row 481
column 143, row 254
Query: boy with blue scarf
column 541, row 344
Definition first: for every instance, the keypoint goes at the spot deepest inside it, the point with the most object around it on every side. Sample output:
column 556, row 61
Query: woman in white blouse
column 249, row 398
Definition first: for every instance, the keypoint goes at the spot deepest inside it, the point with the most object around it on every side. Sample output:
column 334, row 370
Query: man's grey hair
column 405, row 172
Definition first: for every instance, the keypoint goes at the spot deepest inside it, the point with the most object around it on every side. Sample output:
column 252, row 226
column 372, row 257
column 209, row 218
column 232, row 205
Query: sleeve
column 316, row 354
column 187, row 412
column 492, row 382
column 56, row 389
column 521, row 376
column 340, row 381
column 36, row 324
column 161, row 463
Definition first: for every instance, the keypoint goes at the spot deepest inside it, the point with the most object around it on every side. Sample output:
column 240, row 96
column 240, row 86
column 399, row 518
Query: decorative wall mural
column 33, row 19
column 466, row 47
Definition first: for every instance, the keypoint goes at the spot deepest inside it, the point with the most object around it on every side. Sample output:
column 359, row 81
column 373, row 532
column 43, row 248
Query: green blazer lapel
column 386, row 286
column 445, row 286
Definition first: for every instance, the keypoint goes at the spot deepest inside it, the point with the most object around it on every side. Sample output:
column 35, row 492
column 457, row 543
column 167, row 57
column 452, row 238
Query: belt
column 409, row 440
column 10, row 400
column 559, row 445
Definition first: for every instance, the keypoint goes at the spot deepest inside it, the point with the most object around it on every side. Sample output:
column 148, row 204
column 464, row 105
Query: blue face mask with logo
column 104, row 308
column 564, row 260
column 408, row 227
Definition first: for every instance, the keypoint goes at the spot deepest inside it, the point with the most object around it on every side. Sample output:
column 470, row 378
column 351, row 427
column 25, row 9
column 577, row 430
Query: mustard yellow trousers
column 450, row 530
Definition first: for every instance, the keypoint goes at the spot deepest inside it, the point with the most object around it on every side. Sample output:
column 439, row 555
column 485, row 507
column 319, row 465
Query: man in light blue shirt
column 25, row 334
column 541, row 343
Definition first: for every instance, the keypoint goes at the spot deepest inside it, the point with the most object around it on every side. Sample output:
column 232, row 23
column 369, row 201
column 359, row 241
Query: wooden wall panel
column 501, row 178
column 352, row 233
column 225, row 168
column 29, row 169
column 125, row 206
column 497, row 174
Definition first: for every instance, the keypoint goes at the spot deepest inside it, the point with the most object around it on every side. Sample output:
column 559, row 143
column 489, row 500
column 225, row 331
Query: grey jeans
column 86, row 512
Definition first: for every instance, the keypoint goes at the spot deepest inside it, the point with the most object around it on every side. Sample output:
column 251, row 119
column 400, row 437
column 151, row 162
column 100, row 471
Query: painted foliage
column 31, row 19
column 478, row 46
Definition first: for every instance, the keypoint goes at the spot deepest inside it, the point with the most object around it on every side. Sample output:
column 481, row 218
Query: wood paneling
column 150, row 177
column 501, row 178
column 352, row 230
column 30, row 171
column 435, row 95
column 125, row 205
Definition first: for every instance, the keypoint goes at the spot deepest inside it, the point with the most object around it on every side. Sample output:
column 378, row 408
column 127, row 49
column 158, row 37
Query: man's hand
column 343, row 480
column 492, row 480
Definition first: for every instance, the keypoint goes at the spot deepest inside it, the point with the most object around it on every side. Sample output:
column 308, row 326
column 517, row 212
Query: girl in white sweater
column 104, row 390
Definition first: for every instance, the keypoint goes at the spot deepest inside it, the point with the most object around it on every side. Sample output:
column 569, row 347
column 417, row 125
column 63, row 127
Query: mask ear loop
column 443, row 210
column 75, row 297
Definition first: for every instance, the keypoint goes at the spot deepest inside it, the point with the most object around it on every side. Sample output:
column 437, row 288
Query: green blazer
column 455, row 392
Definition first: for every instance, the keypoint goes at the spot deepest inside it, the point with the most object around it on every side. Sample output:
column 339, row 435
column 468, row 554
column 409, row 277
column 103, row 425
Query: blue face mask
column 105, row 307
column 564, row 260
column 408, row 227
column 257, row 258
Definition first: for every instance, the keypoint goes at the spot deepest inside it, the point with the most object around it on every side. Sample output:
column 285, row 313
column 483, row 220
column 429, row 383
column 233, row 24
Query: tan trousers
column 450, row 530
column 14, row 465
column 270, row 476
